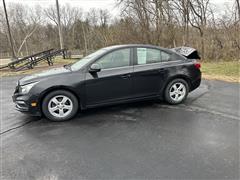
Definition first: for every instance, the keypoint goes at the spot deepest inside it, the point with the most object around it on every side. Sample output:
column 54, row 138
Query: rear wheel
column 60, row 105
column 176, row 91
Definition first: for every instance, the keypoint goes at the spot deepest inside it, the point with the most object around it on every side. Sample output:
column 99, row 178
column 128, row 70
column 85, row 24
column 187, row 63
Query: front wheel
column 60, row 105
column 176, row 91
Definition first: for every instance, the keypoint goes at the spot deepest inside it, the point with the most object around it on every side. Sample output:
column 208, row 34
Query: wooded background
column 166, row 23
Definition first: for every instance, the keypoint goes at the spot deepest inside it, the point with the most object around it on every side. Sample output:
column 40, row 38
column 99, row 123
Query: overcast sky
column 102, row 4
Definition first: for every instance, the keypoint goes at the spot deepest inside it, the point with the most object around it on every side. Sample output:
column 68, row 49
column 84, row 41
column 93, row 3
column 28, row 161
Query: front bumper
column 23, row 104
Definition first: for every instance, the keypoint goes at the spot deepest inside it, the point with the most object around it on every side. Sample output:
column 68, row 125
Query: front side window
column 150, row 56
column 118, row 58
column 82, row 62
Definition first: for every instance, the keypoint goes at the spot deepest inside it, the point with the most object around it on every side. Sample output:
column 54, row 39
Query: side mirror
column 95, row 68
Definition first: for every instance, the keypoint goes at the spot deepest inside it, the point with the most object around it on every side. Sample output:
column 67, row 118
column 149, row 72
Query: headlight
column 26, row 88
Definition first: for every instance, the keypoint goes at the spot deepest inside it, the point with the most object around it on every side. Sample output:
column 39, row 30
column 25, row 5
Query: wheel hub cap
column 177, row 92
column 60, row 106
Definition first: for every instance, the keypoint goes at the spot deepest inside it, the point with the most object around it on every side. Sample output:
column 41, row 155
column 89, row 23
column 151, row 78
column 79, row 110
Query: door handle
column 161, row 70
column 126, row 76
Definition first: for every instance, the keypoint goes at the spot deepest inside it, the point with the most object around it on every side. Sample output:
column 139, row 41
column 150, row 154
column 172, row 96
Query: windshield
column 82, row 62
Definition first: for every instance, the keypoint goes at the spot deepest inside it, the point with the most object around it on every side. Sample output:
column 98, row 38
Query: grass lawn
column 226, row 71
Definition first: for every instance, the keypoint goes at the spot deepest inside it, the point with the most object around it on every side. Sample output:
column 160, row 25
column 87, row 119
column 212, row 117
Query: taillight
column 197, row 65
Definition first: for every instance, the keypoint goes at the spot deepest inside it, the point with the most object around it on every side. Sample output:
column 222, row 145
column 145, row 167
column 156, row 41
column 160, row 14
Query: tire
column 60, row 105
column 174, row 94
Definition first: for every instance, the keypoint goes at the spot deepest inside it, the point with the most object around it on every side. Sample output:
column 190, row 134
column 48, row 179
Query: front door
column 114, row 82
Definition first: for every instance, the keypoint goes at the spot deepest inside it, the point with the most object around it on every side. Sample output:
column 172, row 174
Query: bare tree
column 167, row 23
column 238, row 8
column 198, row 18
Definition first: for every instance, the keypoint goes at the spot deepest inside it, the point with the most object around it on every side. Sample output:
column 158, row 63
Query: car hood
column 43, row 75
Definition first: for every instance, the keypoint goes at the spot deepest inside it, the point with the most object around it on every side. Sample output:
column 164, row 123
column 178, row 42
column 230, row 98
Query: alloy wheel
column 60, row 106
column 177, row 92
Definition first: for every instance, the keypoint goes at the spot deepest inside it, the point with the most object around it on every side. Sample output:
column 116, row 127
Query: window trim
column 116, row 68
column 159, row 63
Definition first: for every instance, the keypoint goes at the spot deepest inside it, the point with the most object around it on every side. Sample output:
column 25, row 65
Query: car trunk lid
column 187, row 52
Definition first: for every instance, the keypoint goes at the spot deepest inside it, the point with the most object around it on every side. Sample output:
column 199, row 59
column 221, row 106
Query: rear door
column 149, row 73
column 114, row 81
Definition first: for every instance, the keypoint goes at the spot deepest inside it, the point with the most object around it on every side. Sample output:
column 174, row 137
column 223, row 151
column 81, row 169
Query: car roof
column 134, row 45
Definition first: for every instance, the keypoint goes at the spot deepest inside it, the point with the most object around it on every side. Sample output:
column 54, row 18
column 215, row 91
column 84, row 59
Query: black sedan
column 116, row 74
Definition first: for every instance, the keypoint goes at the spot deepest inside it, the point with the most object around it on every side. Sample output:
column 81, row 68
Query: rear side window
column 150, row 56
column 165, row 56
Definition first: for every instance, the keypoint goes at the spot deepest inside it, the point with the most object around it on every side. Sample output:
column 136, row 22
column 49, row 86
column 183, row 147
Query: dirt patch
column 41, row 67
column 4, row 73
column 221, row 77
column 4, row 61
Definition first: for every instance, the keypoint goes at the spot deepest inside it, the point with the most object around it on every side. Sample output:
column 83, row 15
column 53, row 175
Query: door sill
column 123, row 101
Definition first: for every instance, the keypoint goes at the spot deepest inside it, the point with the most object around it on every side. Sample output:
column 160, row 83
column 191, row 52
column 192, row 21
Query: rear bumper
column 23, row 104
column 196, row 83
